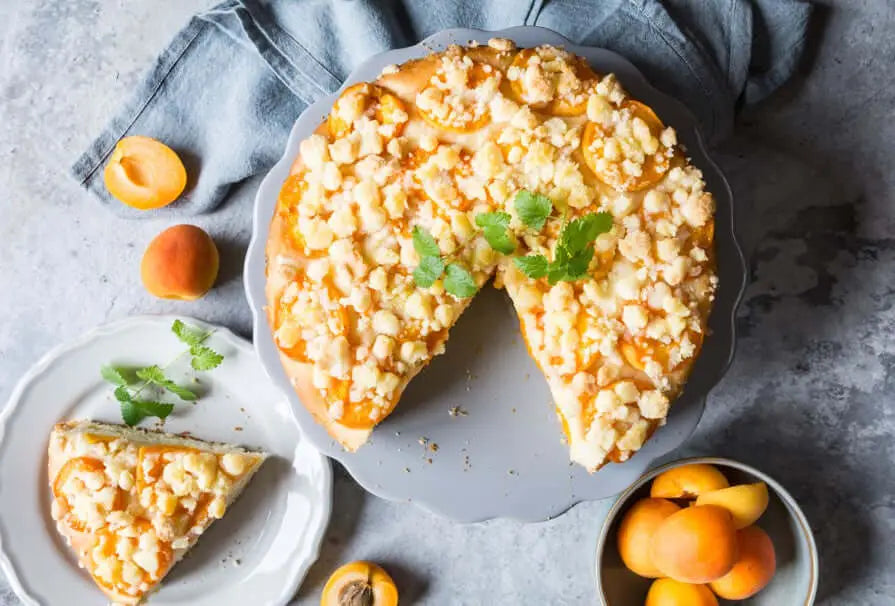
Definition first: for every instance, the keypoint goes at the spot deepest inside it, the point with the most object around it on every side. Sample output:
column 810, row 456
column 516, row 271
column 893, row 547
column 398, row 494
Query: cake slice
column 133, row 502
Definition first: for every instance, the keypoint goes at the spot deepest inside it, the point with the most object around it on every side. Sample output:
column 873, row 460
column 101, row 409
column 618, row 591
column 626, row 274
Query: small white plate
column 262, row 548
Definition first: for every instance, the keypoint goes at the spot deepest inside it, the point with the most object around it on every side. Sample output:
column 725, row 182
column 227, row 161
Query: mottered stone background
column 809, row 398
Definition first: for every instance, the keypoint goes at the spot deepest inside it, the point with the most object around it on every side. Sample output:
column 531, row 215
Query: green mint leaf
column 577, row 266
column 496, row 219
column 429, row 270
column 191, row 335
column 154, row 409
column 131, row 413
column 424, row 244
column 114, row 374
column 499, row 239
column 134, row 411
column 533, row 209
column 156, row 376
column 578, row 233
column 459, row 282
column 122, row 394
column 533, row 266
column 204, row 358
column 495, row 227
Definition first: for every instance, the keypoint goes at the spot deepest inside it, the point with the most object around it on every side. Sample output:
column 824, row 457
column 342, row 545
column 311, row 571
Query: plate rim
column 13, row 405
column 255, row 259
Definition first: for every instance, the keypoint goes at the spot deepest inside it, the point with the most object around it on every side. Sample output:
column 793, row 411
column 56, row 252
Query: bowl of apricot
column 706, row 532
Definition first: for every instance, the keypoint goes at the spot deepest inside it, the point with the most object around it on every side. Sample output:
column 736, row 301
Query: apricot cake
column 132, row 503
column 483, row 161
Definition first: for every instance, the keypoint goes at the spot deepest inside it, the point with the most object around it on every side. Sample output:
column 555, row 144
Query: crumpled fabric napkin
column 226, row 91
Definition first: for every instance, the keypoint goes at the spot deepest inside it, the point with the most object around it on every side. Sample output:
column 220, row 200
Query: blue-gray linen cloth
column 226, row 91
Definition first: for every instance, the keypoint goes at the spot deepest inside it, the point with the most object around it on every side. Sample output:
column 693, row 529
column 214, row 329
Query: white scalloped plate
column 258, row 553
column 505, row 458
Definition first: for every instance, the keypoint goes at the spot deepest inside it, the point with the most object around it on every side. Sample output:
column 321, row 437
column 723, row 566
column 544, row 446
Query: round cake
column 490, row 161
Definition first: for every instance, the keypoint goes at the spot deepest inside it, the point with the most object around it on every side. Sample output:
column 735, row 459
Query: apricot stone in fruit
column 180, row 263
column 668, row 592
column 144, row 173
column 745, row 502
column 687, row 481
column 636, row 529
column 695, row 545
column 753, row 569
column 359, row 584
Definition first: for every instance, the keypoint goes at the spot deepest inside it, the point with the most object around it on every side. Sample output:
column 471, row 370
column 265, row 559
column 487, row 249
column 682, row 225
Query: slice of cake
column 132, row 502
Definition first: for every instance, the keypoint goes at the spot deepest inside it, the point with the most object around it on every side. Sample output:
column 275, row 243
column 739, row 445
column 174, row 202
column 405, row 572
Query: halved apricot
column 635, row 531
column 109, row 542
column 180, row 263
column 695, row 545
column 745, row 502
column 610, row 171
column 144, row 173
column 668, row 592
column 638, row 350
column 359, row 584
column 71, row 470
column 365, row 99
column 462, row 119
column 754, row 567
column 576, row 67
column 688, row 481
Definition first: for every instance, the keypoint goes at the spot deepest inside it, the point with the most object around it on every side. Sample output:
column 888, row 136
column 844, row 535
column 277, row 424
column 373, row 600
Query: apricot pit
column 359, row 584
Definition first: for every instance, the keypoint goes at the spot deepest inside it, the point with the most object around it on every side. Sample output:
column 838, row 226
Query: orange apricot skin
column 697, row 544
column 668, row 592
column 745, row 502
column 144, row 173
column 754, row 568
column 688, row 481
column 635, row 531
column 180, row 263
column 382, row 587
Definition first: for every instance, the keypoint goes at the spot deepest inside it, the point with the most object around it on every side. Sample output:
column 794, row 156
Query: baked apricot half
column 465, row 113
column 627, row 155
column 144, row 173
column 360, row 584
column 366, row 100
column 552, row 81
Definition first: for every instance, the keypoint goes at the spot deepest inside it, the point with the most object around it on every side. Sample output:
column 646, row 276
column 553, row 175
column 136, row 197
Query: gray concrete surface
column 808, row 399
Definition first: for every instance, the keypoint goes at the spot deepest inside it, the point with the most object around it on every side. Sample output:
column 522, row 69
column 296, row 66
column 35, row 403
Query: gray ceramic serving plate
column 796, row 578
column 504, row 457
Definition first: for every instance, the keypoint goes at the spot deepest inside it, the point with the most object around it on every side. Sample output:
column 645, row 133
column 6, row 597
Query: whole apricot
column 745, row 502
column 144, row 173
column 359, row 584
column 687, row 481
column 753, row 569
column 636, row 529
column 695, row 545
column 668, row 592
column 180, row 263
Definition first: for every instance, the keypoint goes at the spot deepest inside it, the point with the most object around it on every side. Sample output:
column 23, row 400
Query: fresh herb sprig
column 573, row 252
column 130, row 383
column 457, row 279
